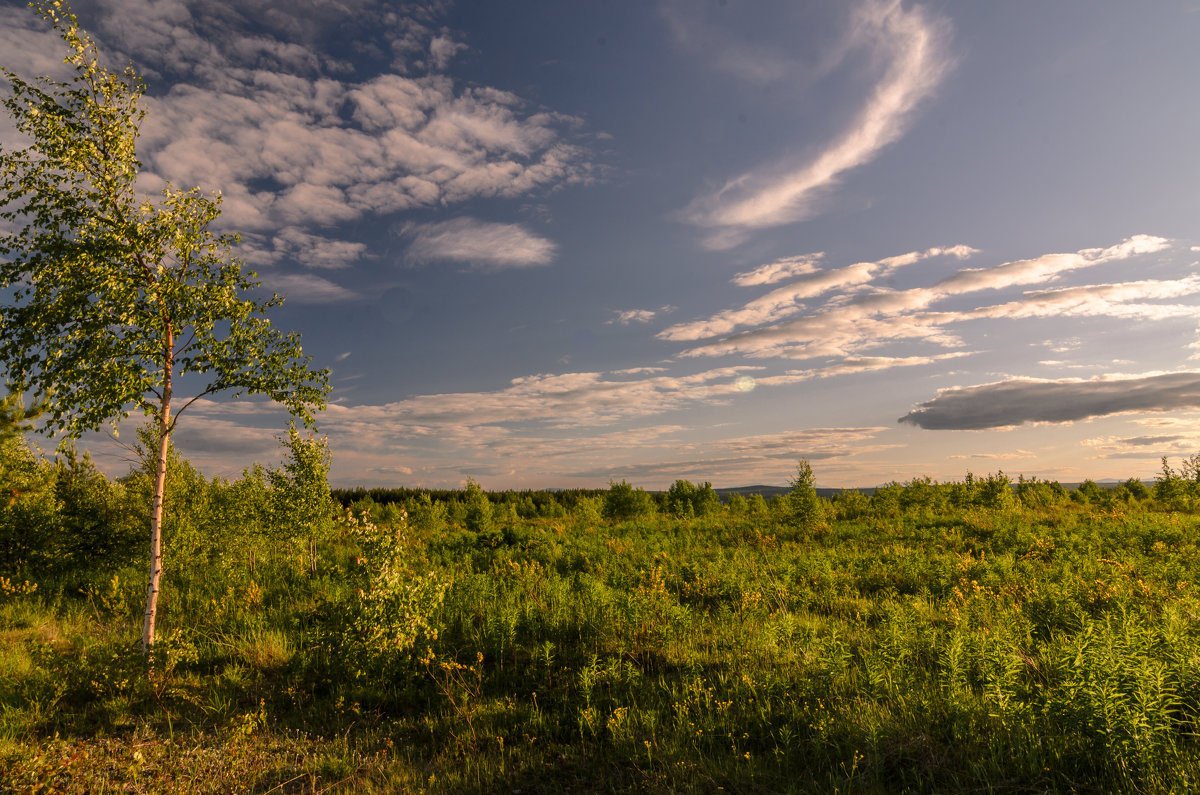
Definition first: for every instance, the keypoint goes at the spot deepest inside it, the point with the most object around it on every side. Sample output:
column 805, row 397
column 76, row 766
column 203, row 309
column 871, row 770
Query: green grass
column 925, row 651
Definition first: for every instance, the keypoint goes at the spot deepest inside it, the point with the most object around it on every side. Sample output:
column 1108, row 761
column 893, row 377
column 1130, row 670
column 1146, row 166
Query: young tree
column 108, row 299
column 805, row 507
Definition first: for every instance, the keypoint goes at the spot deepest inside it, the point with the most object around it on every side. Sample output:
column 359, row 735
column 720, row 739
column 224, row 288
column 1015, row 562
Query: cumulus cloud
column 1004, row 404
column 300, row 142
column 442, row 50
column 481, row 245
column 316, row 251
column 912, row 43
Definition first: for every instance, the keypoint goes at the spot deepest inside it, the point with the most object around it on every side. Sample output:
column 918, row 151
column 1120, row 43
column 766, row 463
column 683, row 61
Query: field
column 971, row 636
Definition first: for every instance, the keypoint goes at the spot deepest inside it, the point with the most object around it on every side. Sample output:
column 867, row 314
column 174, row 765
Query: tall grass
column 910, row 645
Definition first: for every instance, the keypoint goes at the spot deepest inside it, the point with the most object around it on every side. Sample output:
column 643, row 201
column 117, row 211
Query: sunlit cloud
column 789, row 300
column 913, row 44
column 1015, row 455
column 480, row 245
column 861, row 314
column 298, row 142
column 779, row 270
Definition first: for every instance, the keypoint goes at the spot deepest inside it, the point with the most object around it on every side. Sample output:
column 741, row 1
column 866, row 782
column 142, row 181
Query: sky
column 547, row 244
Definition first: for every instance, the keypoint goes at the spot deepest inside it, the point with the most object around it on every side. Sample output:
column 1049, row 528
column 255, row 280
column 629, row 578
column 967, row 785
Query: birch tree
column 107, row 298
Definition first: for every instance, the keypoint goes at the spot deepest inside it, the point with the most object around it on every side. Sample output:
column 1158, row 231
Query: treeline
column 1173, row 490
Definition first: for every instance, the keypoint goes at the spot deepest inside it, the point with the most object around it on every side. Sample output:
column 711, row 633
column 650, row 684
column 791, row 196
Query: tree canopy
column 108, row 296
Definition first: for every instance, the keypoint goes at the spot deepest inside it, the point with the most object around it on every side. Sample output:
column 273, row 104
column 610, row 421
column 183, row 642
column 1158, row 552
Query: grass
column 1010, row 650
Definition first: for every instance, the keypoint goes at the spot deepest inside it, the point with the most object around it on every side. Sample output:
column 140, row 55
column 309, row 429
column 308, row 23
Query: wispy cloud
column 307, row 288
column 752, row 460
column 780, row 270
column 480, row 245
column 912, row 42
column 1004, row 404
column 785, row 301
column 625, row 317
column 862, row 315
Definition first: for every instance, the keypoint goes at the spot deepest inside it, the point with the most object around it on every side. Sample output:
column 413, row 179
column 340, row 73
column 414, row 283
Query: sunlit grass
column 1014, row 650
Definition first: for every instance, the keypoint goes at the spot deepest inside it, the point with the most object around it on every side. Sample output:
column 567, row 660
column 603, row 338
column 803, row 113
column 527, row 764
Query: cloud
column 756, row 62
column 299, row 141
column 779, row 270
column 1124, row 300
column 1013, row 456
column 442, row 49
column 1016, row 401
column 745, row 460
column 913, row 44
column 1046, row 268
column 870, row 364
column 785, row 301
column 569, row 400
column 861, row 316
column 481, row 245
column 306, row 288
column 626, row 316
column 317, row 251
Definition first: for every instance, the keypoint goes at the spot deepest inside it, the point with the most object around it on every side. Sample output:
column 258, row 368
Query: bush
column 623, row 502
column 477, row 509
column 685, row 499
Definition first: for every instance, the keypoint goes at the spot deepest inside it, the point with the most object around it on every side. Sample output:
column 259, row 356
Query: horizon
column 553, row 246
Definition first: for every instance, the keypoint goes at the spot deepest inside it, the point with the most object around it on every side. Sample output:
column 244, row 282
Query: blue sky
column 546, row 244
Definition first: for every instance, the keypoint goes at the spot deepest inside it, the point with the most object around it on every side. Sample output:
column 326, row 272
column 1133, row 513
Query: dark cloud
column 1149, row 441
column 1017, row 401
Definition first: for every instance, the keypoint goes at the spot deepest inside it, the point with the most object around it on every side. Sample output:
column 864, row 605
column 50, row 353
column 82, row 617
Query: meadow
column 980, row 635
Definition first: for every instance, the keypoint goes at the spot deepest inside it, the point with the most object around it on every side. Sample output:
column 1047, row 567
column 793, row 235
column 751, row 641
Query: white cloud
column 307, row 288
column 863, row 316
column 442, row 50
column 626, row 316
column 316, row 251
column 779, row 270
column 913, row 43
column 1046, row 268
column 1108, row 300
column 297, row 144
column 481, row 245
column 786, row 301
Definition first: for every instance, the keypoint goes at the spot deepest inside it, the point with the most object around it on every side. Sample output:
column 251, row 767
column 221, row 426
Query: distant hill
column 774, row 491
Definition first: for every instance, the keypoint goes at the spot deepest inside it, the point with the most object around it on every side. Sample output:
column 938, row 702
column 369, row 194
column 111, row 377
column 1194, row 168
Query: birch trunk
column 156, row 512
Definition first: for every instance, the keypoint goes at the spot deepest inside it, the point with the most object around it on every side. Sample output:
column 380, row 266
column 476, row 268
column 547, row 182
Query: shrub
column 685, row 499
column 622, row 502
column 477, row 513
